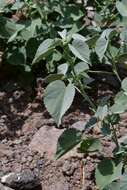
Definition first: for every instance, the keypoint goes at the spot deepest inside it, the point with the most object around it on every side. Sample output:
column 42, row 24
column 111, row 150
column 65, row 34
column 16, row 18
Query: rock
column 68, row 168
column 22, row 180
column 2, row 187
column 45, row 141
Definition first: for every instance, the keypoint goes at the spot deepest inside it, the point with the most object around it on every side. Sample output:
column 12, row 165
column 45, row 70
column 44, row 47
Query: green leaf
column 121, row 184
column 62, row 69
column 32, row 42
column 81, row 67
column 102, row 43
column 16, row 56
column 3, row 4
column 58, row 98
column 31, row 28
column 124, row 84
column 101, row 47
column 101, row 112
column 18, row 28
column 107, row 172
column 45, row 48
column 8, row 27
column 114, row 186
column 120, row 104
column 72, row 12
column 90, row 145
column 52, row 77
column 80, row 49
column 91, row 123
column 79, row 37
column 63, row 34
column 122, row 8
column 70, row 138
column 17, row 5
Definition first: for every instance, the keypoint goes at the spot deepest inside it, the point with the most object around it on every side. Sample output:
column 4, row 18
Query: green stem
column 114, row 136
column 114, row 66
column 115, row 71
column 86, row 97
column 101, row 72
column 81, row 86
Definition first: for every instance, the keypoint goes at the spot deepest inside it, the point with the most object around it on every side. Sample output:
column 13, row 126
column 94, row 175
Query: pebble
column 21, row 180
column 23, row 159
column 68, row 168
column 30, row 158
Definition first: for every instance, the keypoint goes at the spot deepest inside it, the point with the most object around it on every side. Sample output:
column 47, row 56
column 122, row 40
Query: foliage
column 66, row 41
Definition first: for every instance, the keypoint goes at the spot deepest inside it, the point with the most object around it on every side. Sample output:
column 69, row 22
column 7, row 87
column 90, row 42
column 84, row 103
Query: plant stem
column 114, row 66
column 114, row 136
column 85, row 95
column 115, row 71
column 81, row 87
column 101, row 72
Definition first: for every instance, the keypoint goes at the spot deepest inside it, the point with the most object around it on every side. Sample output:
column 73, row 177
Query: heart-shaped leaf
column 62, row 69
column 80, row 49
column 102, row 43
column 58, row 98
column 101, row 46
column 81, row 67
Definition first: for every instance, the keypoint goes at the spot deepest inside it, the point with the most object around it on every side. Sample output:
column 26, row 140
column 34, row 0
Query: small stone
column 68, row 168
column 4, row 141
column 40, row 162
column 5, row 161
column 4, row 117
column 10, row 100
column 30, row 158
column 22, row 180
column 31, row 166
column 23, row 160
